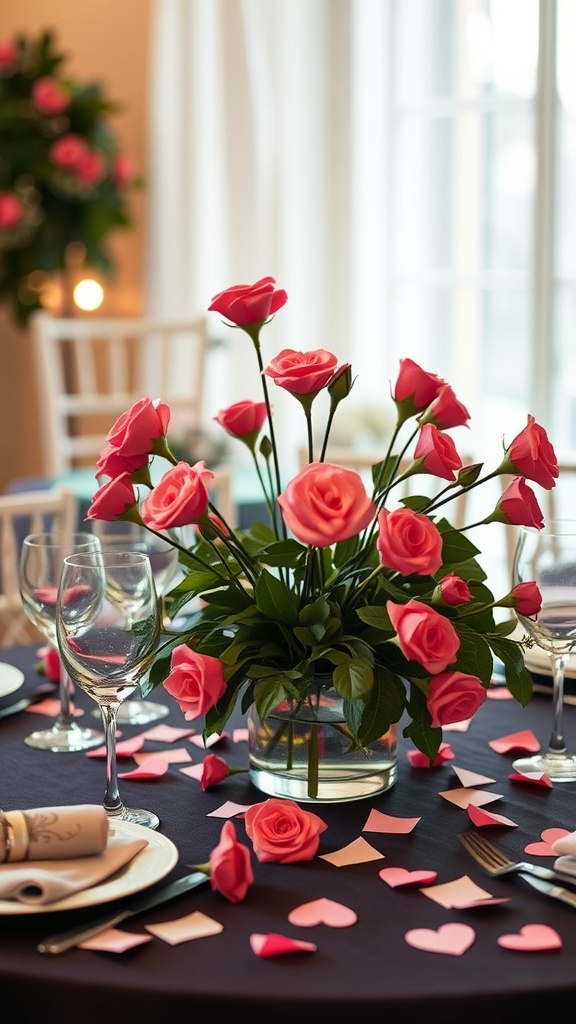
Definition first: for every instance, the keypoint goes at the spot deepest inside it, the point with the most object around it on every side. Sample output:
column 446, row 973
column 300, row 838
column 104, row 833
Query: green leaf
column 353, row 678
column 275, row 600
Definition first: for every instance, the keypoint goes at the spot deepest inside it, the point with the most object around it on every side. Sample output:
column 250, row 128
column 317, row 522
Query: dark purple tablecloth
column 365, row 969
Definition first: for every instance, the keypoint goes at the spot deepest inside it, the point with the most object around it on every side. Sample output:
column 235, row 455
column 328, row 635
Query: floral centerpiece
column 384, row 601
column 63, row 177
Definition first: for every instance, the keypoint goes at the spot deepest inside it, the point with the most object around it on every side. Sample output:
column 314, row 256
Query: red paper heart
column 544, row 849
column 532, row 937
column 453, row 939
column 275, row 944
column 395, row 877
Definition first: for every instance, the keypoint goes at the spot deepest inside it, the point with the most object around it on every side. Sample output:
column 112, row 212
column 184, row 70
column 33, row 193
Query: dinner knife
column 62, row 941
column 556, row 891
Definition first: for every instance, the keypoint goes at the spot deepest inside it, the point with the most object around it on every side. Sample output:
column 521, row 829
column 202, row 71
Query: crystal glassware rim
column 105, row 559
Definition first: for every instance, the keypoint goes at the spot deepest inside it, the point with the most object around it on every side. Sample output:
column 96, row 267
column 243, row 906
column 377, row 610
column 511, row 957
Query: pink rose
column 532, row 455
column 8, row 55
column 302, row 373
column 230, row 868
column 67, row 151
column 518, row 506
column 246, row 304
column 527, row 599
column 50, row 662
column 325, row 503
column 438, row 451
column 409, row 542
column 112, row 463
column 214, row 770
column 454, row 589
column 415, row 383
column 49, row 97
column 454, row 697
column 112, row 499
column 282, row 831
column 180, row 498
column 242, row 418
column 11, row 211
column 446, row 411
column 196, row 681
column 123, row 171
column 135, row 431
column 90, row 168
column 424, row 635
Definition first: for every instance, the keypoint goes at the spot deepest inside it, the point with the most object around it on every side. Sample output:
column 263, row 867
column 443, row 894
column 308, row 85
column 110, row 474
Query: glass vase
column 304, row 751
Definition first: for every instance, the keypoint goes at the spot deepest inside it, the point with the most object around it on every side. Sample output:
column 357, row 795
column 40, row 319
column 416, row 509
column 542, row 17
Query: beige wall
column 107, row 41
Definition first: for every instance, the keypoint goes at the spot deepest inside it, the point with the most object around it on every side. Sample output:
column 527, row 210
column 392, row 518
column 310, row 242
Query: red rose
column 532, row 455
column 415, row 383
column 180, row 498
column 90, row 167
column 453, row 697
column 518, row 506
column 246, row 304
column 438, row 451
column 196, row 681
column 134, row 431
column 67, row 151
column 11, row 211
column 112, row 463
column 424, row 635
column 242, row 418
column 214, row 770
column 454, row 589
column 302, row 373
column 8, row 54
column 409, row 542
column 282, row 831
column 325, row 504
column 527, row 599
column 49, row 97
column 446, row 411
column 230, row 868
column 112, row 499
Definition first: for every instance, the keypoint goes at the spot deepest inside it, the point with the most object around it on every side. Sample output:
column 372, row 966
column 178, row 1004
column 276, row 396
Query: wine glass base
column 137, row 815
column 558, row 766
column 138, row 712
column 65, row 738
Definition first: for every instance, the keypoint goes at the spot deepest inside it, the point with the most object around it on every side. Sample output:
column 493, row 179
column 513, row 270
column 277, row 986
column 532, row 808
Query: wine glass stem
column 559, row 661
column 112, row 802
column 66, row 715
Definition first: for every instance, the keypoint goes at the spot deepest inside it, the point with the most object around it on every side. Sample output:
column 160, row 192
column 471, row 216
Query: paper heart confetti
column 536, row 778
column 396, row 877
column 275, row 944
column 378, row 821
column 322, row 911
column 481, row 817
column 419, row 760
column 453, row 939
column 468, row 778
column 530, row 938
column 525, row 740
column 544, row 849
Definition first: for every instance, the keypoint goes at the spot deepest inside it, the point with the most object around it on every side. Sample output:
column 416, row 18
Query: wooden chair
column 90, row 370
column 20, row 514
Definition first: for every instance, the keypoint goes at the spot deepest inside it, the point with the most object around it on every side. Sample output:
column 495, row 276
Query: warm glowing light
column 88, row 294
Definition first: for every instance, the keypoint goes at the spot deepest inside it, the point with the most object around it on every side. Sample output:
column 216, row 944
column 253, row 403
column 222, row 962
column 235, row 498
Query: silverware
column 550, row 889
column 62, row 941
column 44, row 690
column 497, row 863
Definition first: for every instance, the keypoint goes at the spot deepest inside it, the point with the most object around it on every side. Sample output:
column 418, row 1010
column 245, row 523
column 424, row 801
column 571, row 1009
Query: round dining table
column 388, row 965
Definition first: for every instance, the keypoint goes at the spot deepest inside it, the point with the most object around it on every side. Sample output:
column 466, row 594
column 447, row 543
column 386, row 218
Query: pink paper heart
column 274, row 944
column 322, row 911
column 544, row 849
column 532, row 937
column 453, row 939
column 481, row 817
column 400, row 876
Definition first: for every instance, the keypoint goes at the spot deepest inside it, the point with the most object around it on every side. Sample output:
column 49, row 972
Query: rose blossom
column 527, row 599
column 325, row 503
column 283, row 831
column 532, row 455
column 8, row 54
column 438, row 451
column 196, row 681
column 518, row 506
column 11, row 211
column 242, row 418
column 112, row 463
column 230, row 868
column 446, row 411
column 246, row 304
column 415, row 383
column 214, row 770
column 90, row 167
column 67, row 151
column 180, row 498
column 424, row 635
column 302, row 373
column 135, row 431
column 50, row 659
column 49, row 97
column 453, row 697
column 112, row 499
column 409, row 542
column 454, row 589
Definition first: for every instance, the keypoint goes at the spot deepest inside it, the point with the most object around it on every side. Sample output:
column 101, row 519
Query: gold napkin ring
column 18, row 838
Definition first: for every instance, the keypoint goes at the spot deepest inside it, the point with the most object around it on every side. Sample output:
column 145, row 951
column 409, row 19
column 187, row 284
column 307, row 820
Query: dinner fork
column 497, row 863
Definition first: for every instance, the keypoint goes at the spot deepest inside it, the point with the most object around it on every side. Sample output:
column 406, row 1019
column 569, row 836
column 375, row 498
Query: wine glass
column 39, row 573
column 126, row 536
column 108, row 645
column 548, row 557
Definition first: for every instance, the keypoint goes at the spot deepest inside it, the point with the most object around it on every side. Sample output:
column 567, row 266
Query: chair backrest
column 21, row 514
column 90, row 370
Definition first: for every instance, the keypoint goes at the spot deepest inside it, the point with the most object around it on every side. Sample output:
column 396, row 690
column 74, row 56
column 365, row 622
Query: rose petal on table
column 228, row 809
column 419, row 760
column 464, row 797
column 457, row 893
column 125, row 748
column 457, row 726
column 163, row 733
column 378, row 821
column 357, row 852
column 193, row 926
column 545, row 848
column 468, row 778
column 397, row 877
column 51, row 708
column 151, row 770
column 480, row 817
column 524, row 740
column 275, row 944
column 322, row 911
column 452, row 939
column 113, row 940
column 536, row 778
column 194, row 771
column 177, row 756
column 531, row 937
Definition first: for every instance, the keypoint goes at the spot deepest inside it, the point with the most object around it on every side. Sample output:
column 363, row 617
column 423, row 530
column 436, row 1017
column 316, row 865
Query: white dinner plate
column 11, row 678
column 148, row 866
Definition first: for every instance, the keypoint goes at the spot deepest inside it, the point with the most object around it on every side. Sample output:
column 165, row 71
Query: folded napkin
column 566, row 846
column 46, row 833
column 45, row 881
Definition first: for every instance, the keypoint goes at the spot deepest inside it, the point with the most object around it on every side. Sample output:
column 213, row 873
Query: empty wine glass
column 126, row 536
column 41, row 561
column 548, row 557
column 107, row 646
